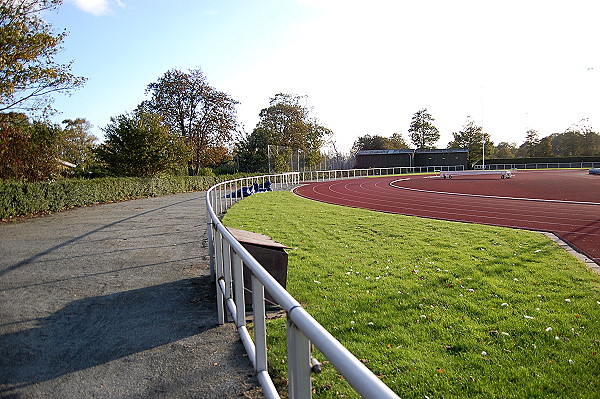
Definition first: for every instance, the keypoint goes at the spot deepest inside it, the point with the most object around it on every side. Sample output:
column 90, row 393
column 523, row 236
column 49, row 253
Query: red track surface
column 566, row 203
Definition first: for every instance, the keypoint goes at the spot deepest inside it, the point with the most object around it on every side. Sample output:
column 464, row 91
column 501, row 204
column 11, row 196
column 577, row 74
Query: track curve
column 566, row 203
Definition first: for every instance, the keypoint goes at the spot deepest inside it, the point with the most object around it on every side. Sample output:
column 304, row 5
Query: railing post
column 210, row 232
column 220, row 199
column 298, row 348
column 260, row 327
column 238, row 284
column 228, row 202
column 227, row 268
column 219, row 274
column 221, row 205
column 226, row 271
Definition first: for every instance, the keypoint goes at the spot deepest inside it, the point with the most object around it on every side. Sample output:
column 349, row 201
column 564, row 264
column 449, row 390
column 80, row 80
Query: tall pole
column 483, row 146
column 482, row 133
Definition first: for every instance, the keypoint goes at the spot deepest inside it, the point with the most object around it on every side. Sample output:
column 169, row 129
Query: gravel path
column 115, row 301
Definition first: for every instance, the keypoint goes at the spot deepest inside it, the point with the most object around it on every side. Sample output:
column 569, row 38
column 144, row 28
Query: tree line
column 577, row 140
column 185, row 126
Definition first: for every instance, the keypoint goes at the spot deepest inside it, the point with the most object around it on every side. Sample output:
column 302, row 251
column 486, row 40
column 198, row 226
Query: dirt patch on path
column 115, row 301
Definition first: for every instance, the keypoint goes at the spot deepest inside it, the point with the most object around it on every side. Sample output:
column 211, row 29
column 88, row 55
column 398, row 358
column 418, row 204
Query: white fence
column 228, row 258
column 554, row 165
column 323, row 175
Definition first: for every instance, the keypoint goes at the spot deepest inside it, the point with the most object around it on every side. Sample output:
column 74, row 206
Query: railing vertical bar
column 219, row 276
column 227, row 268
column 210, row 231
column 260, row 327
column 298, row 363
column 220, row 200
column 238, row 284
column 227, row 187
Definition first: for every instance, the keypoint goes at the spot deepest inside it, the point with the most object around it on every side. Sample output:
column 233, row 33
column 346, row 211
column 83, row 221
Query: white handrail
column 228, row 256
column 540, row 165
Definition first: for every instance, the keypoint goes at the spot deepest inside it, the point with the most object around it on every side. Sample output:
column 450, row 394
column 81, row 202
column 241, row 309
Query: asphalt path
column 115, row 301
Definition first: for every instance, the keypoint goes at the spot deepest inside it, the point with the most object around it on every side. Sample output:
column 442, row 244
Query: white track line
column 490, row 196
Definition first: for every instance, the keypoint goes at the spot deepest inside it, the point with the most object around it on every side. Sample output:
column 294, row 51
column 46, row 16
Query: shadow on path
column 35, row 257
column 98, row 330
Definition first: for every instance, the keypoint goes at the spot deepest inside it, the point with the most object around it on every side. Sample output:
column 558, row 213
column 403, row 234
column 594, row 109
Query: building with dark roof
column 411, row 158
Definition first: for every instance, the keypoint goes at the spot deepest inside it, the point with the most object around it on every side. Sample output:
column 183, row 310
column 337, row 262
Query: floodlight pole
column 483, row 149
column 482, row 133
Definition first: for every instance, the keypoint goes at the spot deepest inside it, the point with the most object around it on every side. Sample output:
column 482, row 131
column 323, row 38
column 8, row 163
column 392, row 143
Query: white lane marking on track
column 333, row 196
column 492, row 196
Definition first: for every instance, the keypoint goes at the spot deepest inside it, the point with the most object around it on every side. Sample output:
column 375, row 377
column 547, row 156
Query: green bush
column 206, row 172
column 21, row 198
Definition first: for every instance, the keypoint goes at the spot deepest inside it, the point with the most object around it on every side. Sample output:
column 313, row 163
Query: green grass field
column 436, row 309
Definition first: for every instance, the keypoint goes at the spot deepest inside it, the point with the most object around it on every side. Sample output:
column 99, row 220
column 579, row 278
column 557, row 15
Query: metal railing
column 228, row 258
column 552, row 165
column 323, row 175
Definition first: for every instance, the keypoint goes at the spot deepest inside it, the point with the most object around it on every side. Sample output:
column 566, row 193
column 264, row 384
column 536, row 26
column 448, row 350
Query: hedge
column 21, row 198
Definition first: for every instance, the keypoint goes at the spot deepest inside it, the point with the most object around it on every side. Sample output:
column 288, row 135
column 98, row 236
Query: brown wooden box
column 269, row 253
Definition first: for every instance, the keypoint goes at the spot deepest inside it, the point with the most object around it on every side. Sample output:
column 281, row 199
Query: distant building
column 410, row 158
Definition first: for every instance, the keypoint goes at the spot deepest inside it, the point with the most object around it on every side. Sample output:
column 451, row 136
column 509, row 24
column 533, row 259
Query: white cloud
column 97, row 7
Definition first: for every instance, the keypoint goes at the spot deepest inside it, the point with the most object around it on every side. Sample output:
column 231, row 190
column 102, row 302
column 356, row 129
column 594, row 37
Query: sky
column 365, row 67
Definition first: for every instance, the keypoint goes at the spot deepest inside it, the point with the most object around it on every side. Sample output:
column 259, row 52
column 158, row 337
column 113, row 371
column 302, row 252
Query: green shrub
column 206, row 172
column 21, row 198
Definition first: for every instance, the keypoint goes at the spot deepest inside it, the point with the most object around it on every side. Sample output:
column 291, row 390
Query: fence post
column 219, row 275
column 238, row 285
column 260, row 327
column 228, row 201
column 220, row 199
column 210, row 232
column 298, row 348
column 227, row 269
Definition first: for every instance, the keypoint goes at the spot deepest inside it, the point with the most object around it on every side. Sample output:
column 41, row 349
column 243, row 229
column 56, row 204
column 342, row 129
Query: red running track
column 566, row 203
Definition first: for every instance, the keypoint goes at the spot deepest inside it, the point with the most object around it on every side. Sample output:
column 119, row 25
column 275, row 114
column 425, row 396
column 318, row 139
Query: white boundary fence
column 324, row 175
column 227, row 260
column 554, row 165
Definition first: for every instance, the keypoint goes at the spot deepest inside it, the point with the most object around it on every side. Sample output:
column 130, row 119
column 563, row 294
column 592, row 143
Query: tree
column 532, row 140
column 205, row 117
column 397, row 141
column 78, row 143
column 473, row 138
column 252, row 152
column 505, row 150
column 544, row 147
column 578, row 139
column 14, row 145
column 28, row 150
column 141, row 144
column 285, row 123
column 28, row 71
column 591, row 143
column 368, row 142
column 421, row 131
